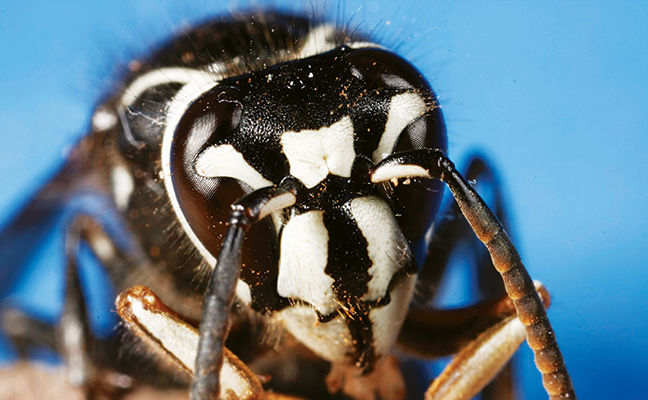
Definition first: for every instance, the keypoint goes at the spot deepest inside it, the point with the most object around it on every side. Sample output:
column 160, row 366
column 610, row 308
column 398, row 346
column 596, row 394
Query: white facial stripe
column 313, row 154
column 388, row 320
column 317, row 41
column 331, row 340
column 389, row 172
column 404, row 109
column 225, row 161
column 304, row 255
column 386, row 245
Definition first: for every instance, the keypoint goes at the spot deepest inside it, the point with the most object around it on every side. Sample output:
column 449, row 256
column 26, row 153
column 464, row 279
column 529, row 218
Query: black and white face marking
column 336, row 268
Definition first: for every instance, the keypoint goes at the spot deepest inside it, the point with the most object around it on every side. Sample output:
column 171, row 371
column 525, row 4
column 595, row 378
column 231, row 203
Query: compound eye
column 381, row 69
column 209, row 120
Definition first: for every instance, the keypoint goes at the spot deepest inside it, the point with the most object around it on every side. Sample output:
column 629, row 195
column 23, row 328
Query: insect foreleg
column 477, row 362
column 74, row 334
column 220, row 291
column 164, row 330
column 427, row 163
column 26, row 332
column 432, row 333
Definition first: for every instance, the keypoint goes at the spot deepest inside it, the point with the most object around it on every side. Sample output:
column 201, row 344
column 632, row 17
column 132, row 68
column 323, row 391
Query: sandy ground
column 24, row 381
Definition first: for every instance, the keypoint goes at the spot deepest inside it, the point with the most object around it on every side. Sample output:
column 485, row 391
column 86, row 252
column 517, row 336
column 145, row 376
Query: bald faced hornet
column 271, row 173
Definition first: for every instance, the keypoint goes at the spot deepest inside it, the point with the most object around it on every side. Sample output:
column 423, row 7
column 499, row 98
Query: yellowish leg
column 477, row 363
column 480, row 361
column 165, row 331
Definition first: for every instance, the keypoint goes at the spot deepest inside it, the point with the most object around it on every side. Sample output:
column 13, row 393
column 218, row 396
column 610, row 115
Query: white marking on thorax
column 122, row 184
column 404, row 109
column 165, row 76
column 388, row 320
column 313, row 154
column 103, row 119
column 322, row 39
column 317, row 41
column 386, row 246
column 362, row 45
column 102, row 247
column 225, row 161
column 330, row 340
column 303, row 258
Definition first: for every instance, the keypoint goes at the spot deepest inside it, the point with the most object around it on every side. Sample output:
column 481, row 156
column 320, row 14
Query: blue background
column 554, row 92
